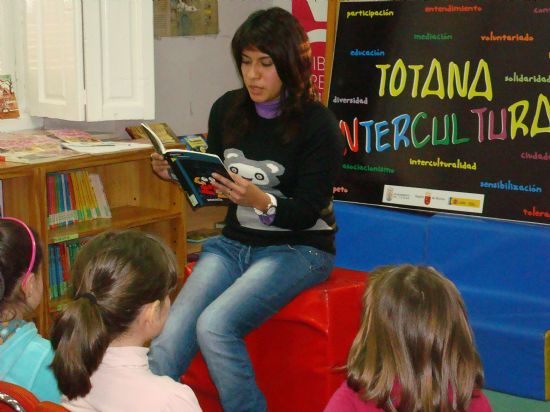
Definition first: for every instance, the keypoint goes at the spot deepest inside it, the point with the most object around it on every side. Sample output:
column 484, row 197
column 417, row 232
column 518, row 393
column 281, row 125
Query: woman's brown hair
column 114, row 275
column 414, row 334
column 278, row 33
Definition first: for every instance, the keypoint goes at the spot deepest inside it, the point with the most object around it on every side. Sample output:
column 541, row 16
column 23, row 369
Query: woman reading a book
column 283, row 150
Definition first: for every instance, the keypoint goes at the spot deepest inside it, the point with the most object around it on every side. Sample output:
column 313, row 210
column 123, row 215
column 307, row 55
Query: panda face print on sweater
column 263, row 173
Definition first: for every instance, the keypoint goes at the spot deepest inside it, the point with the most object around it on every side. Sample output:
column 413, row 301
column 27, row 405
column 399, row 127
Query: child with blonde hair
column 122, row 282
column 25, row 356
column 414, row 351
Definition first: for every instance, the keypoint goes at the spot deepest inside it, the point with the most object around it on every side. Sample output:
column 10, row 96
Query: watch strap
column 268, row 216
column 267, row 219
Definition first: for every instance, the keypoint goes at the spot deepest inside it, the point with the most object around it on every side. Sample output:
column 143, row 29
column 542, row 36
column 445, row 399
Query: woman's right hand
column 160, row 166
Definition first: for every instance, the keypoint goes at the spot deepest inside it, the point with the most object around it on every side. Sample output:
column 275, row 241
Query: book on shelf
column 162, row 130
column 196, row 142
column 61, row 257
column 75, row 196
column 193, row 170
column 200, row 235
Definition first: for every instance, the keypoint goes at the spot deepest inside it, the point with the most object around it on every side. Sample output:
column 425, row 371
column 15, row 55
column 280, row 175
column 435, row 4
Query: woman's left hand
column 241, row 191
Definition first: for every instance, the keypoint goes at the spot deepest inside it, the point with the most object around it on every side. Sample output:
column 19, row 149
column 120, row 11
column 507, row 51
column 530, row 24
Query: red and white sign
column 312, row 14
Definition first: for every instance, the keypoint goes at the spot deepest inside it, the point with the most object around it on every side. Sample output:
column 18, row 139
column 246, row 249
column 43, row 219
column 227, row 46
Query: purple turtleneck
column 268, row 110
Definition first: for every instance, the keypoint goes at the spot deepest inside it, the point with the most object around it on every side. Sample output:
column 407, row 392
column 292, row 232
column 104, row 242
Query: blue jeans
column 233, row 289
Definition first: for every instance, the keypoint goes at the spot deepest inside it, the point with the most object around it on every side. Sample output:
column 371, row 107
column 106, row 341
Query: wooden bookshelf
column 203, row 218
column 137, row 198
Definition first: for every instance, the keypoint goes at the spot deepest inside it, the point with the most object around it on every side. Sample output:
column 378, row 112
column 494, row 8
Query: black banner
column 445, row 106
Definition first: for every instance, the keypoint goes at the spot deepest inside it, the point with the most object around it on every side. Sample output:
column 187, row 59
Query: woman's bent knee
column 208, row 327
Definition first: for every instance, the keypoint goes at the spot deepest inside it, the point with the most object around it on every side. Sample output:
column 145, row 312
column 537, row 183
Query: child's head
column 415, row 333
column 20, row 258
column 278, row 33
column 119, row 278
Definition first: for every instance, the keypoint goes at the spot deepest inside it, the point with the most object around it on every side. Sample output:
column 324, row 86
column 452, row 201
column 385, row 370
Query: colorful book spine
column 74, row 207
column 81, row 200
column 92, row 195
column 104, row 210
column 52, row 254
column 50, row 192
column 69, row 209
column 51, row 271
column 88, row 198
column 58, row 271
column 65, row 269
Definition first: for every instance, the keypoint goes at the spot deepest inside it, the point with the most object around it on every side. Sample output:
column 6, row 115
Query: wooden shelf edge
column 123, row 218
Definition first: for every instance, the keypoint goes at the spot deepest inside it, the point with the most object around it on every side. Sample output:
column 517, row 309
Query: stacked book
column 61, row 256
column 75, row 196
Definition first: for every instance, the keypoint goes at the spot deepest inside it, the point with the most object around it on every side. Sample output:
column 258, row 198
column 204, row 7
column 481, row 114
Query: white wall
column 190, row 73
column 11, row 51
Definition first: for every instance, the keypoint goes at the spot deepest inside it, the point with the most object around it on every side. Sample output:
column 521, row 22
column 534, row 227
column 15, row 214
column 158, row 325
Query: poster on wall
column 185, row 17
column 445, row 106
column 312, row 15
column 8, row 101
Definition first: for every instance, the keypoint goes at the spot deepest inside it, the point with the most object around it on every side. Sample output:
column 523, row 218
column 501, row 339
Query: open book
column 193, row 171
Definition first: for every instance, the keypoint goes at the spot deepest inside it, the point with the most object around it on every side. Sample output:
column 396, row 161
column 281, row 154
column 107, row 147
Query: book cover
column 196, row 142
column 193, row 170
column 31, row 147
column 8, row 101
column 162, row 130
column 72, row 135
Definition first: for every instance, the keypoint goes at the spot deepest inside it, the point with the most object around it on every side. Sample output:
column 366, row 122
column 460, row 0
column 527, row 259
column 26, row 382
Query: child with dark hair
column 122, row 282
column 25, row 356
column 284, row 150
column 414, row 351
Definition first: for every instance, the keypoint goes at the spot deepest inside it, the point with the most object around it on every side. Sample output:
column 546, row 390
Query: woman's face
column 260, row 76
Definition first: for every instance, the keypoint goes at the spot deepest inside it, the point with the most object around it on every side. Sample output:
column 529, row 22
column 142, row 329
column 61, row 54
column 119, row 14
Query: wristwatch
column 268, row 216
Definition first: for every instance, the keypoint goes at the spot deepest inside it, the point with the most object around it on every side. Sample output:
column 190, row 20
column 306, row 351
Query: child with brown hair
column 122, row 282
column 25, row 356
column 414, row 351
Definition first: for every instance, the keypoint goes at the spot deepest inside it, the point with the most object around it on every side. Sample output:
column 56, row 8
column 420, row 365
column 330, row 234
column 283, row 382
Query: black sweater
column 300, row 174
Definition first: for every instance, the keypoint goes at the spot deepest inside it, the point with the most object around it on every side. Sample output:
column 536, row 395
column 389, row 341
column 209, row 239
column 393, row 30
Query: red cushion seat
column 298, row 353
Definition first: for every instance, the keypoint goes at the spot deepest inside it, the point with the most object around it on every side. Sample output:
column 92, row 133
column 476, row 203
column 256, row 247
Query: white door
column 90, row 59
column 119, row 59
column 54, row 59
